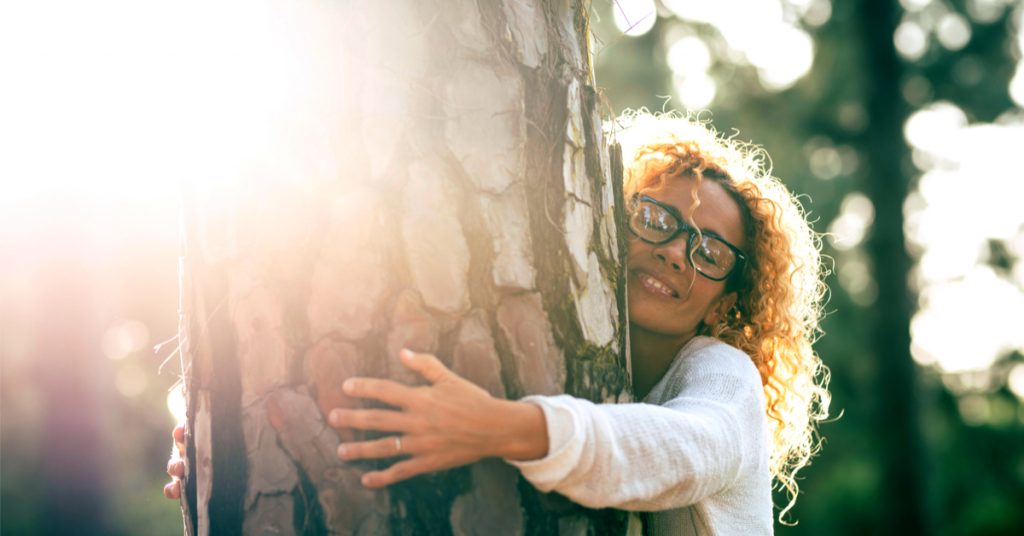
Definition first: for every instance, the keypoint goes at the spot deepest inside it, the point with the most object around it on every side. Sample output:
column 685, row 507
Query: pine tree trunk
column 454, row 195
column 897, row 384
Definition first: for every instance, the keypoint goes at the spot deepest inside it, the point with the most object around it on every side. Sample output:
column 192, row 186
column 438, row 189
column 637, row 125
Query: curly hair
column 780, row 291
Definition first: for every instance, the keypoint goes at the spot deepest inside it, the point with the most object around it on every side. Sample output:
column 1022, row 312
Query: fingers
column 427, row 365
column 178, row 434
column 385, row 447
column 398, row 472
column 372, row 419
column 394, row 393
column 176, row 465
column 173, row 489
column 387, row 391
column 176, row 468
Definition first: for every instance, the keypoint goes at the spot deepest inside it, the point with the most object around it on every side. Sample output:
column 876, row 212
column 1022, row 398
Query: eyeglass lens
column 709, row 255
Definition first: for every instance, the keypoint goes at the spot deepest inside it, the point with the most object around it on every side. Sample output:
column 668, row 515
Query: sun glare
column 634, row 17
column 765, row 36
column 953, row 31
column 855, row 216
column 176, row 403
column 120, row 101
column 911, row 40
column 967, row 196
column 107, row 108
column 124, row 338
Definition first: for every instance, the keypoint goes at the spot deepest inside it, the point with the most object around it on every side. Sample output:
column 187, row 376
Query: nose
column 673, row 254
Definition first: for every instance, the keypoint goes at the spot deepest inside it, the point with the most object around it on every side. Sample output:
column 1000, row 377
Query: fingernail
column 334, row 417
column 405, row 353
column 349, row 386
column 342, row 451
column 366, row 480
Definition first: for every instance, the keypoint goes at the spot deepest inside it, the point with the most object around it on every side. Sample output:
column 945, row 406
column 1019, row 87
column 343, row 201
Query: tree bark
column 452, row 193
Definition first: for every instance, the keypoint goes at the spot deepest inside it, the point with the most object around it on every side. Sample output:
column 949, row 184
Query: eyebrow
column 673, row 211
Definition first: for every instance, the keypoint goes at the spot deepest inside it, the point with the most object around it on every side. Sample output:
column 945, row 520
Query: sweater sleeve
column 646, row 457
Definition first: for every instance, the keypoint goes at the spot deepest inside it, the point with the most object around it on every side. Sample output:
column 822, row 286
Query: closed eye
column 707, row 253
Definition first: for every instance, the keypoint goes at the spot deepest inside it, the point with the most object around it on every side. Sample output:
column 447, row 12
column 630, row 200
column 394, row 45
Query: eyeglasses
column 657, row 223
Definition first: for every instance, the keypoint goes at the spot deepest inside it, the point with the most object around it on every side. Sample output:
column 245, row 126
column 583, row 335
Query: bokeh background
column 899, row 124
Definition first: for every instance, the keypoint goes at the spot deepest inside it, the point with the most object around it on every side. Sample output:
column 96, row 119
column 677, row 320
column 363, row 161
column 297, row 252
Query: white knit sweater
column 695, row 453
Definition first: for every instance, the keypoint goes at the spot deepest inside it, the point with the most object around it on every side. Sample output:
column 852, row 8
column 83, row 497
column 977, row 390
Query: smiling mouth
column 656, row 286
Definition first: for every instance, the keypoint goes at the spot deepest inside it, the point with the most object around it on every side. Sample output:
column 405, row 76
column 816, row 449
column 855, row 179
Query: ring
column 398, row 444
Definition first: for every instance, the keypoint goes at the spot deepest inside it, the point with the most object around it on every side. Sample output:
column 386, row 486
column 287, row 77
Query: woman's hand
column 176, row 465
column 448, row 423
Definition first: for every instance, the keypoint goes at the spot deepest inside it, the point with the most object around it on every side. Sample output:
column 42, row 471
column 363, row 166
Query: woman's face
column 661, row 297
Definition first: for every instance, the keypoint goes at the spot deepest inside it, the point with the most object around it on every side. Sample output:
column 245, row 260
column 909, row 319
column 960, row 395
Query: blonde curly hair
column 780, row 291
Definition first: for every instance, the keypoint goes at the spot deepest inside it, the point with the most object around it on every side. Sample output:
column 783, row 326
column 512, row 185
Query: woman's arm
column 708, row 433
column 641, row 456
column 631, row 456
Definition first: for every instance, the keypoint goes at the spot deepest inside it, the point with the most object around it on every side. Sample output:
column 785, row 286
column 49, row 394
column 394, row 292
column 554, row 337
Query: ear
column 721, row 308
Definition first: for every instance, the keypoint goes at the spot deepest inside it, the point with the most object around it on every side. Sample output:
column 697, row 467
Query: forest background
column 899, row 124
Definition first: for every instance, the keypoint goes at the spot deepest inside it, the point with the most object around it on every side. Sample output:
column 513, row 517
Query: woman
column 724, row 288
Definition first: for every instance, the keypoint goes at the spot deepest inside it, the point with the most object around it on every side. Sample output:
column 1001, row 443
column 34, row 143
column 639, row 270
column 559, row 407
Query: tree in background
column 450, row 193
column 886, row 184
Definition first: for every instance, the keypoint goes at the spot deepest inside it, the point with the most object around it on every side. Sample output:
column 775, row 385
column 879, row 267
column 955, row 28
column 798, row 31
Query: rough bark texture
column 458, row 200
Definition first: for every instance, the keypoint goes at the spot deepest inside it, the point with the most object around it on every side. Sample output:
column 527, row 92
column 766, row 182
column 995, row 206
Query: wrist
column 523, row 434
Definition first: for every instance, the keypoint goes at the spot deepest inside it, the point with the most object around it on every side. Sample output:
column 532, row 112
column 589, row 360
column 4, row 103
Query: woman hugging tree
column 724, row 298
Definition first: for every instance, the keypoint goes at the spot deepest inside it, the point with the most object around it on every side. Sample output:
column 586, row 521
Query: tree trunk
column 888, row 185
column 449, row 192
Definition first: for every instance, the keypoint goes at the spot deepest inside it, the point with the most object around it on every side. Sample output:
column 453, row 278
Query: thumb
column 426, row 365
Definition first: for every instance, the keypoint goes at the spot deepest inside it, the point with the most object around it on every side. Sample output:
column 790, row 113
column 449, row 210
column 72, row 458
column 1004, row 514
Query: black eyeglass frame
column 683, row 227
